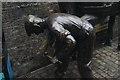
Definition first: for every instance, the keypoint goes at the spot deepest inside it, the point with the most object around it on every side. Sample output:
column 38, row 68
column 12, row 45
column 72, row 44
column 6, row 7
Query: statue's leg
column 119, row 33
column 84, row 55
column 64, row 55
column 62, row 67
column 118, row 40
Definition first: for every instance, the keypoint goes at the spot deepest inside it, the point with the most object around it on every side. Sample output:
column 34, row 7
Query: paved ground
column 104, row 65
column 105, row 62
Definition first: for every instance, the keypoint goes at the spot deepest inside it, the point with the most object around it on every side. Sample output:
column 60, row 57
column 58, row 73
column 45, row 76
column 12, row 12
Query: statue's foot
column 88, row 78
column 88, row 75
column 107, row 43
column 59, row 74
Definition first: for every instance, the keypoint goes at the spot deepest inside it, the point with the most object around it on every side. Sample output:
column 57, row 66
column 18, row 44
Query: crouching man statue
column 69, row 35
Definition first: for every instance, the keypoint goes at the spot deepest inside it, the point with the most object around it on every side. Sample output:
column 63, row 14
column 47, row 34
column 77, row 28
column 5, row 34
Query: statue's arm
column 59, row 31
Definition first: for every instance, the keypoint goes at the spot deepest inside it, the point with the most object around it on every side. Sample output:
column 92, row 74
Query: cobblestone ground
column 104, row 65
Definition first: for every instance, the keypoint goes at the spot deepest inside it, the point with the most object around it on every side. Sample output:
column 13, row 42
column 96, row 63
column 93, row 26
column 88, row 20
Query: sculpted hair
column 28, row 26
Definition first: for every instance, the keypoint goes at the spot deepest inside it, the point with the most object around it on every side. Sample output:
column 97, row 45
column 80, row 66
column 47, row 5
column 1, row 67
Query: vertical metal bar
column 111, row 22
column 110, row 30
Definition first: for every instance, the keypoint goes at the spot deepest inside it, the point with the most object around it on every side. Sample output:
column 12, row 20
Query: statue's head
column 33, row 25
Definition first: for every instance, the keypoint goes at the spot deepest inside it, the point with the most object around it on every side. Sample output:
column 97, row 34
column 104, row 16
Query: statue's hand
column 55, row 60
column 63, row 34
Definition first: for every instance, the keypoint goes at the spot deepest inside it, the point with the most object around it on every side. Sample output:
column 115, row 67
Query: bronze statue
column 69, row 35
